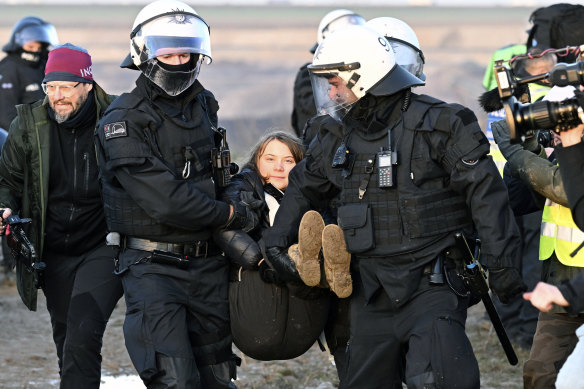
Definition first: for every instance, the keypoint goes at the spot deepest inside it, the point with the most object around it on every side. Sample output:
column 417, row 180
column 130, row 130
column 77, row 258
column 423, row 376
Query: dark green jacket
column 24, row 176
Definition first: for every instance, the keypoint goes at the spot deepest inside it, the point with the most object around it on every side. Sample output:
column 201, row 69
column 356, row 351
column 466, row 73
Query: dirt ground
column 256, row 53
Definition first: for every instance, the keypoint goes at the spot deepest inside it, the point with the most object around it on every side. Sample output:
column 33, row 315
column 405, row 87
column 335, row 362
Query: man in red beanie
column 48, row 172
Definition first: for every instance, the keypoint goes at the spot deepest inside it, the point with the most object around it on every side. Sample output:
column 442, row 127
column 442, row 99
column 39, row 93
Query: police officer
column 409, row 171
column 22, row 70
column 154, row 147
column 303, row 102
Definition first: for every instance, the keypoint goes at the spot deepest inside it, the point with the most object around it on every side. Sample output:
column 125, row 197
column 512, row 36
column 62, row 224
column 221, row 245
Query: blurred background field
column 256, row 54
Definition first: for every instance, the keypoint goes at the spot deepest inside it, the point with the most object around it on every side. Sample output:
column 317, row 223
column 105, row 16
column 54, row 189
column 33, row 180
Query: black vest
column 405, row 218
column 169, row 142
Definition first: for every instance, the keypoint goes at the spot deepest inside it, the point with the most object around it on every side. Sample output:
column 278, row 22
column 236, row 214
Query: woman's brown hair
column 293, row 143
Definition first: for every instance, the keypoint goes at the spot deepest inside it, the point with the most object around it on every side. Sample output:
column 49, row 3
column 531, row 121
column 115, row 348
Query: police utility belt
column 176, row 254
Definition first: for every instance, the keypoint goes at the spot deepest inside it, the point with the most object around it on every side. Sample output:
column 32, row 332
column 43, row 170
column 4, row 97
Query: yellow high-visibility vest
column 559, row 233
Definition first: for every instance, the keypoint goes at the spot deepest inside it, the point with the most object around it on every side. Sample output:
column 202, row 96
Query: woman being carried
column 271, row 319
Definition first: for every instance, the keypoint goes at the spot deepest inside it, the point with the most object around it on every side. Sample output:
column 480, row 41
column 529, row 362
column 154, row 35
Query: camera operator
column 571, row 158
column 555, row 335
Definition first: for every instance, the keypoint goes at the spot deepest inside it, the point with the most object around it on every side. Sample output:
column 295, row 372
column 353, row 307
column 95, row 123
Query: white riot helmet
column 404, row 42
column 351, row 62
column 333, row 21
column 167, row 27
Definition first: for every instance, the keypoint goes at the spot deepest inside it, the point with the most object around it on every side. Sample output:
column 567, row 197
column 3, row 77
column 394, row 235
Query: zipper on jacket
column 86, row 172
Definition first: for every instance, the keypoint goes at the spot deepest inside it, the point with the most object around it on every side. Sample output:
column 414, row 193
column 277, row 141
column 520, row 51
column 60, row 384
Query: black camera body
column 221, row 163
column 524, row 119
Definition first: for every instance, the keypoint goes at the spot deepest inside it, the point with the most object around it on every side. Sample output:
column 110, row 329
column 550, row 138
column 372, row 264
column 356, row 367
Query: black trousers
column 422, row 343
column 81, row 292
column 177, row 322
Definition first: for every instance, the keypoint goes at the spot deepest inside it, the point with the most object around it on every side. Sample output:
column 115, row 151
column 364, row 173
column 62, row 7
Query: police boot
column 337, row 261
column 305, row 253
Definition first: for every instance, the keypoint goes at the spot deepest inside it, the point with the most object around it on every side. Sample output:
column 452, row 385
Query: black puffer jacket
column 241, row 247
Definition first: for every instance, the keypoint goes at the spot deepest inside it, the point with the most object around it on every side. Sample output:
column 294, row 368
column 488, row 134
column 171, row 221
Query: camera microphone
column 491, row 102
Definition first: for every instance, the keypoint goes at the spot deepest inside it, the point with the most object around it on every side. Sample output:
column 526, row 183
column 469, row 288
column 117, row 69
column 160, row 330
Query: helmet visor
column 45, row 34
column 331, row 95
column 174, row 34
column 343, row 21
column 408, row 57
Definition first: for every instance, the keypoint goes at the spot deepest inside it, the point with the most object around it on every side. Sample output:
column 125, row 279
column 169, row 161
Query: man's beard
column 63, row 118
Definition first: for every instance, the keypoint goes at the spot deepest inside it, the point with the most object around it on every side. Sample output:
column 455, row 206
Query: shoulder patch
column 467, row 116
column 115, row 130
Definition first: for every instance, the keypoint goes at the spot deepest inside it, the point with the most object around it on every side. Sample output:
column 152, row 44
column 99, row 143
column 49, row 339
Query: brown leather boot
column 337, row 261
column 305, row 253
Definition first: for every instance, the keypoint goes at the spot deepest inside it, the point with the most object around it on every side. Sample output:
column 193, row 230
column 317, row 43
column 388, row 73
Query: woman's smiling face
column 275, row 163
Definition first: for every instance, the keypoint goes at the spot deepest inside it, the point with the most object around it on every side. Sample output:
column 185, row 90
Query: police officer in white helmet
column 303, row 101
column 407, row 172
column 154, row 148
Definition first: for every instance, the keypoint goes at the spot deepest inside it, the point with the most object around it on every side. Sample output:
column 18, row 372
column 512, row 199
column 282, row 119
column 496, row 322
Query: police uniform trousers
column 177, row 322
column 422, row 343
column 81, row 293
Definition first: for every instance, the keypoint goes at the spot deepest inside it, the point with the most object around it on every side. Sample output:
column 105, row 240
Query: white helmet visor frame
column 408, row 57
column 172, row 33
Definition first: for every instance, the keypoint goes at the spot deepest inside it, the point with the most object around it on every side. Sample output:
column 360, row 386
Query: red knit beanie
column 68, row 62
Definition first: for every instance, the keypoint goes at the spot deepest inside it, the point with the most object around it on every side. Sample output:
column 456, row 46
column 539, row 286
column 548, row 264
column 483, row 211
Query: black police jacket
column 449, row 152
column 20, row 83
column 155, row 163
column 571, row 161
column 304, row 106
column 241, row 247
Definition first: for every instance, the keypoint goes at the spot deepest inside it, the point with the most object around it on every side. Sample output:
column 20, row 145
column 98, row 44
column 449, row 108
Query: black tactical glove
column 279, row 260
column 243, row 218
column 502, row 138
column 506, row 283
column 269, row 275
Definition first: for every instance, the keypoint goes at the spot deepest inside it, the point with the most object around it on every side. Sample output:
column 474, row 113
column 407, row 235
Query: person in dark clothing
column 48, row 172
column 568, row 294
column 159, row 188
column 570, row 157
column 22, row 70
column 270, row 319
column 399, row 215
column 304, row 107
column 21, row 75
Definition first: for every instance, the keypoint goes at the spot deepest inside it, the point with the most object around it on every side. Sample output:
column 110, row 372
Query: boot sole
column 309, row 245
column 337, row 261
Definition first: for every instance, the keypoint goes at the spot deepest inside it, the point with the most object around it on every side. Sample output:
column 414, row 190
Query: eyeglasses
column 66, row 90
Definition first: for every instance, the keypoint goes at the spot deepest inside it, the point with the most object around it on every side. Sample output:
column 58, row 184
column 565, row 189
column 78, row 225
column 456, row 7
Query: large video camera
column 524, row 119
column 21, row 247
